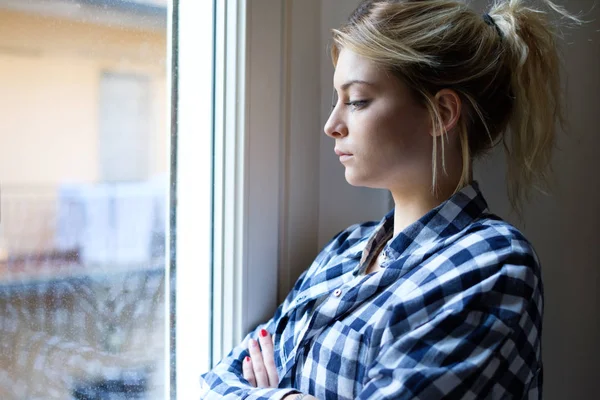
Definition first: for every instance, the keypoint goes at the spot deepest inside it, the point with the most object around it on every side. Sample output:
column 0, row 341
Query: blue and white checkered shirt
column 454, row 313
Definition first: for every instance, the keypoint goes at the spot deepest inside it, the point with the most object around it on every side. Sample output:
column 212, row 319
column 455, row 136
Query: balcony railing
column 81, row 230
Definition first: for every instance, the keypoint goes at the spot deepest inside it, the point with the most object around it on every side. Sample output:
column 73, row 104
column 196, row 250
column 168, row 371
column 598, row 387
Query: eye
column 357, row 104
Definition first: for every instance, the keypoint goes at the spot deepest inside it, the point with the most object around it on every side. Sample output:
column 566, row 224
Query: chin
column 357, row 179
column 363, row 180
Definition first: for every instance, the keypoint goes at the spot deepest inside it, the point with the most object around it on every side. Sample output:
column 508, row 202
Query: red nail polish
column 247, row 359
column 263, row 332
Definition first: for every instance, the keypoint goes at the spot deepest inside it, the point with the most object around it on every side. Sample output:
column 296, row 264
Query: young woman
column 441, row 298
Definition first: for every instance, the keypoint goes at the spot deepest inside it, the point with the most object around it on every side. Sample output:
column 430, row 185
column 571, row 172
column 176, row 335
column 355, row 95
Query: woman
column 440, row 299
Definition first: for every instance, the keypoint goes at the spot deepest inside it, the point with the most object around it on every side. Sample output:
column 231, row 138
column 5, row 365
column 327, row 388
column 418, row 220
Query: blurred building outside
column 83, row 186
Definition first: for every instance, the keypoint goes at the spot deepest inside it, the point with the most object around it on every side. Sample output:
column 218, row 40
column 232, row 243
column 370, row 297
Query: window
column 135, row 215
column 84, row 161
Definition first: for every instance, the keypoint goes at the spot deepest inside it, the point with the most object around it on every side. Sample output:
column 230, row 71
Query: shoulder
column 491, row 241
column 493, row 267
column 487, row 264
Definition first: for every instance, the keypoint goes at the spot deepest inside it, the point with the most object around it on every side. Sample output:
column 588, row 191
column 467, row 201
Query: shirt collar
column 445, row 220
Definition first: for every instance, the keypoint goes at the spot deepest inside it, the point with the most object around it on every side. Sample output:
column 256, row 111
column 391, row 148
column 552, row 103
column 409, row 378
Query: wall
column 50, row 76
column 301, row 140
column 316, row 201
column 50, row 72
column 563, row 227
column 340, row 205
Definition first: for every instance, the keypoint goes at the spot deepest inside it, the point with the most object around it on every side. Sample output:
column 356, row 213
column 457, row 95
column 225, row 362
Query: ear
column 449, row 106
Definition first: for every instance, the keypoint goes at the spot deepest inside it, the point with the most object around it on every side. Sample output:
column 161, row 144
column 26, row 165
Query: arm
column 226, row 378
column 484, row 343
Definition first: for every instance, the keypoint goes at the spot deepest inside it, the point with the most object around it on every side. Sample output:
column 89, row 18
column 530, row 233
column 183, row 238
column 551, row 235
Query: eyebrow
column 346, row 85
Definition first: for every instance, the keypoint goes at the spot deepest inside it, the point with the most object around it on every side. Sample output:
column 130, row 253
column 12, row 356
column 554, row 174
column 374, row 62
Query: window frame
column 266, row 231
column 235, row 226
column 266, row 139
column 189, row 244
column 248, row 168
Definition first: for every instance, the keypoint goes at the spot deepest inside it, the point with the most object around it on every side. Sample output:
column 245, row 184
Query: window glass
column 84, row 169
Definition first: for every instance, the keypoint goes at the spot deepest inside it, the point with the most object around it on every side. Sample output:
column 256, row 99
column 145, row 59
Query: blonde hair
column 503, row 65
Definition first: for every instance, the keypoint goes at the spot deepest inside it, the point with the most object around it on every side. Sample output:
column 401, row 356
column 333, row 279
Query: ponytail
column 533, row 59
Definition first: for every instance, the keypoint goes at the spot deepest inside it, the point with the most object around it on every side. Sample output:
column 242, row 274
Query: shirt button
column 337, row 292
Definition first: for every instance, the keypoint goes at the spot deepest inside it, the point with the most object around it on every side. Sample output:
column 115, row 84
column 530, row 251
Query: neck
column 412, row 201
column 411, row 205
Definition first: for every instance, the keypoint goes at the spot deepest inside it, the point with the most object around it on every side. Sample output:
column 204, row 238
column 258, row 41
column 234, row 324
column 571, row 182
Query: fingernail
column 252, row 343
column 263, row 332
column 247, row 359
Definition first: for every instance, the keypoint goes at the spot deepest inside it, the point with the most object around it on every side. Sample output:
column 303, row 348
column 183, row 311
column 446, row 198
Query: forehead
column 353, row 67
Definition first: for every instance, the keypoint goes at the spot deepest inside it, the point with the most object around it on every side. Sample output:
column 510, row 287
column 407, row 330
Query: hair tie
column 490, row 21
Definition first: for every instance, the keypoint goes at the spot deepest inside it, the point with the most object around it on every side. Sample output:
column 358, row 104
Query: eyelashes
column 354, row 105
column 357, row 104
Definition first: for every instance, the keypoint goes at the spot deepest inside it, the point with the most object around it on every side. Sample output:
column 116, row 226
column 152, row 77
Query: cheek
column 404, row 133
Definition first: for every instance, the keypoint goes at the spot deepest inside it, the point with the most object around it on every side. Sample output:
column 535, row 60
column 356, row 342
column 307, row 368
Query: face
column 382, row 135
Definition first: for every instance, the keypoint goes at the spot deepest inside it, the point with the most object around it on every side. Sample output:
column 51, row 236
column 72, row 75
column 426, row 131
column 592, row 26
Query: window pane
column 84, row 169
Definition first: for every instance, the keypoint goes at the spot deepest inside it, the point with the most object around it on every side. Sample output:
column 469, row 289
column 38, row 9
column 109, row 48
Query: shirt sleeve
column 478, row 347
column 226, row 381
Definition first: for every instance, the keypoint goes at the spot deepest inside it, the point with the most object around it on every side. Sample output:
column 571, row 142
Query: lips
column 341, row 153
column 344, row 155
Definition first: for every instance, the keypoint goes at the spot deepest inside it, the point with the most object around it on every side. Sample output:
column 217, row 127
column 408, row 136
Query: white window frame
column 244, row 221
column 248, row 175
column 267, row 144
column 189, row 248
column 267, row 134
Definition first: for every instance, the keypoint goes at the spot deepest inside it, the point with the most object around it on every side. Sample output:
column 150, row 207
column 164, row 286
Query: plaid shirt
column 455, row 312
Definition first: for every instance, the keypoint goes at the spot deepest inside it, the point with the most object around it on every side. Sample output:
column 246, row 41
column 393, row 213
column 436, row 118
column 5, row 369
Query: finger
column 248, row 371
column 266, row 344
column 258, row 366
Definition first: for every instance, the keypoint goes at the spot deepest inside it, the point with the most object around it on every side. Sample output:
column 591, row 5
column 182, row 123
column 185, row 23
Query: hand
column 259, row 369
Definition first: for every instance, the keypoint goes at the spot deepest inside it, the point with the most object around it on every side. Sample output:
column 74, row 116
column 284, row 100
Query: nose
column 335, row 126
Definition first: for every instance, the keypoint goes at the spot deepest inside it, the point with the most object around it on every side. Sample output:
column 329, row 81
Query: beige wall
column 50, row 72
column 340, row 205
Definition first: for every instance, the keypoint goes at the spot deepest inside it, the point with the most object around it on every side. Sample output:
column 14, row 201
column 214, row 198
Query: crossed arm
column 455, row 364
column 231, row 378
